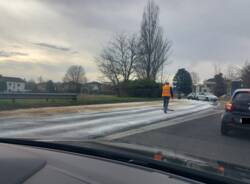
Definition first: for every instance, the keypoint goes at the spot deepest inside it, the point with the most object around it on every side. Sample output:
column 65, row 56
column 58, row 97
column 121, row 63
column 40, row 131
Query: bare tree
column 232, row 73
column 76, row 76
column 154, row 47
column 109, row 68
column 117, row 60
column 217, row 68
column 245, row 75
column 132, row 50
column 40, row 79
column 195, row 77
column 122, row 50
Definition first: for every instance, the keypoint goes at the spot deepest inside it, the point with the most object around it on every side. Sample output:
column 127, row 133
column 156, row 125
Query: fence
column 46, row 96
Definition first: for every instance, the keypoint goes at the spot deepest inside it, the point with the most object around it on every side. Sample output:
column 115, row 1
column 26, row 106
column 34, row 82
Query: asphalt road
column 199, row 137
column 91, row 125
column 195, row 133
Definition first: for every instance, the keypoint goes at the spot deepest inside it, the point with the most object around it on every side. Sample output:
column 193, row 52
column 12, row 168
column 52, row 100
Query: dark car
column 237, row 112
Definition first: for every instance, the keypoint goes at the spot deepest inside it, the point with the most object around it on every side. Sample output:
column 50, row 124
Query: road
column 193, row 128
column 198, row 137
column 90, row 125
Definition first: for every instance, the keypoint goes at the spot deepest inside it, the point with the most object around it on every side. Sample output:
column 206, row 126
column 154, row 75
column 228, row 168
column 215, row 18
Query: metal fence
column 46, row 96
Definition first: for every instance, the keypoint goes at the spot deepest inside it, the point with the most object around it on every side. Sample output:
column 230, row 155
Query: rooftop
column 11, row 79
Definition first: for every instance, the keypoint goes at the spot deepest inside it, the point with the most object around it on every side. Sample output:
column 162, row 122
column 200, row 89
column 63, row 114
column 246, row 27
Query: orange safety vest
column 166, row 90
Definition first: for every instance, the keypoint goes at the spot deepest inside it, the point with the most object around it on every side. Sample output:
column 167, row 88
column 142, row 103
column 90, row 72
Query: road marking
column 158, row 125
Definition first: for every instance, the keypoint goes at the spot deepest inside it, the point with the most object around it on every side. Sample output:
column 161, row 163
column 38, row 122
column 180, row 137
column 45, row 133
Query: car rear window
column 242, row 97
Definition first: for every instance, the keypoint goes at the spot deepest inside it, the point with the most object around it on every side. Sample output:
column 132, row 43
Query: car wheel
column 224, row 129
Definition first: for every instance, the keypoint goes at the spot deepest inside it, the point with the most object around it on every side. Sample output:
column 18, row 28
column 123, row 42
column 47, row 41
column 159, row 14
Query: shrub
column 141, row 88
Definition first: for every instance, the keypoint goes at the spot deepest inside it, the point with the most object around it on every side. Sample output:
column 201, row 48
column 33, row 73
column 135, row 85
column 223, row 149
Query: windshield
column 242, row 97
column 151, row 73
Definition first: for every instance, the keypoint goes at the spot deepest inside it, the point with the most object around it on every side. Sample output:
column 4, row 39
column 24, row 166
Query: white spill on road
column 95, row 124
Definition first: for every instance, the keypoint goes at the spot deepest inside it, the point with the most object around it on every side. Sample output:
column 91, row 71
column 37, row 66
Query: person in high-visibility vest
column 167, row 92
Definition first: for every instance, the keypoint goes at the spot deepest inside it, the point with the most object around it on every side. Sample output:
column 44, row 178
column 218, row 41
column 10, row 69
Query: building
column 234, row 85
column 105, row 88
column 13, row 84
column 92, row 88
column 206, row 87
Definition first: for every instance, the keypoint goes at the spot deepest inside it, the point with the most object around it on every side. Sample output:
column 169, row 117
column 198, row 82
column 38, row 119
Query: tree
column 245, row 75
column 122, row 50
column 40, row 79
column 220, row 87
column 117, row 59
column 154, row 47
column 75, row 76
column 50, row 86
column 31, row 85
column 232, row 73
column 132, row 49
column 195, row 77
column 109, row 69
column 183, row 81
column 217, row 68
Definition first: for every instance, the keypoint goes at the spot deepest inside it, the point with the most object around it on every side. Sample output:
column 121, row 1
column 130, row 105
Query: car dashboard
column 25, row 164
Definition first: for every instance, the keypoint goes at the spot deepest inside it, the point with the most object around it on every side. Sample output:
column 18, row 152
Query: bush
column 141, row 88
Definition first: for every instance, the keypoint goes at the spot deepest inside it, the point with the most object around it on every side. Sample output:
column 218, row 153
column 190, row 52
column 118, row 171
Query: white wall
column 202, row 89
column 15, row 86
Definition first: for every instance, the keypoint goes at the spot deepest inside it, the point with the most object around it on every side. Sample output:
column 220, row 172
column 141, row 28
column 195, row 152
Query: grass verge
column 83, row 100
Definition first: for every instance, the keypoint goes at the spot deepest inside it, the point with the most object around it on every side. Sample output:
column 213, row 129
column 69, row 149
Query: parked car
column 206, row 97
column 192, row 96
column 237, row 112
column 202, row 96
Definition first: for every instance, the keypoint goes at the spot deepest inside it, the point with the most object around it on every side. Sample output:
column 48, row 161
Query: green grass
column 83, row 100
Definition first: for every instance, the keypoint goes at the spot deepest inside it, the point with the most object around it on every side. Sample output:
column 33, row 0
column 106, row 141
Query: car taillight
column 229, row 106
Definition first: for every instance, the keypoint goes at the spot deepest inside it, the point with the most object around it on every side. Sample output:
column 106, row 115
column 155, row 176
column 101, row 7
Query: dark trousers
column 165, row 103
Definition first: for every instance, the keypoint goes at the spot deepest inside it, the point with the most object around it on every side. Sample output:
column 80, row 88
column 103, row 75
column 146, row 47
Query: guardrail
column 46, row 96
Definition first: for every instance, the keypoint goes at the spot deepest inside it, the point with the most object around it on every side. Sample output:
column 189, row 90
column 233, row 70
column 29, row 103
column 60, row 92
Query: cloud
column 46, row 69
column 75, row 52
column 10, row 54
column 51, row 46
column 74, row 32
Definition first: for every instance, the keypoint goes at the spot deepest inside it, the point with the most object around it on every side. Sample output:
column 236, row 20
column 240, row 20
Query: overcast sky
column 43, row 38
